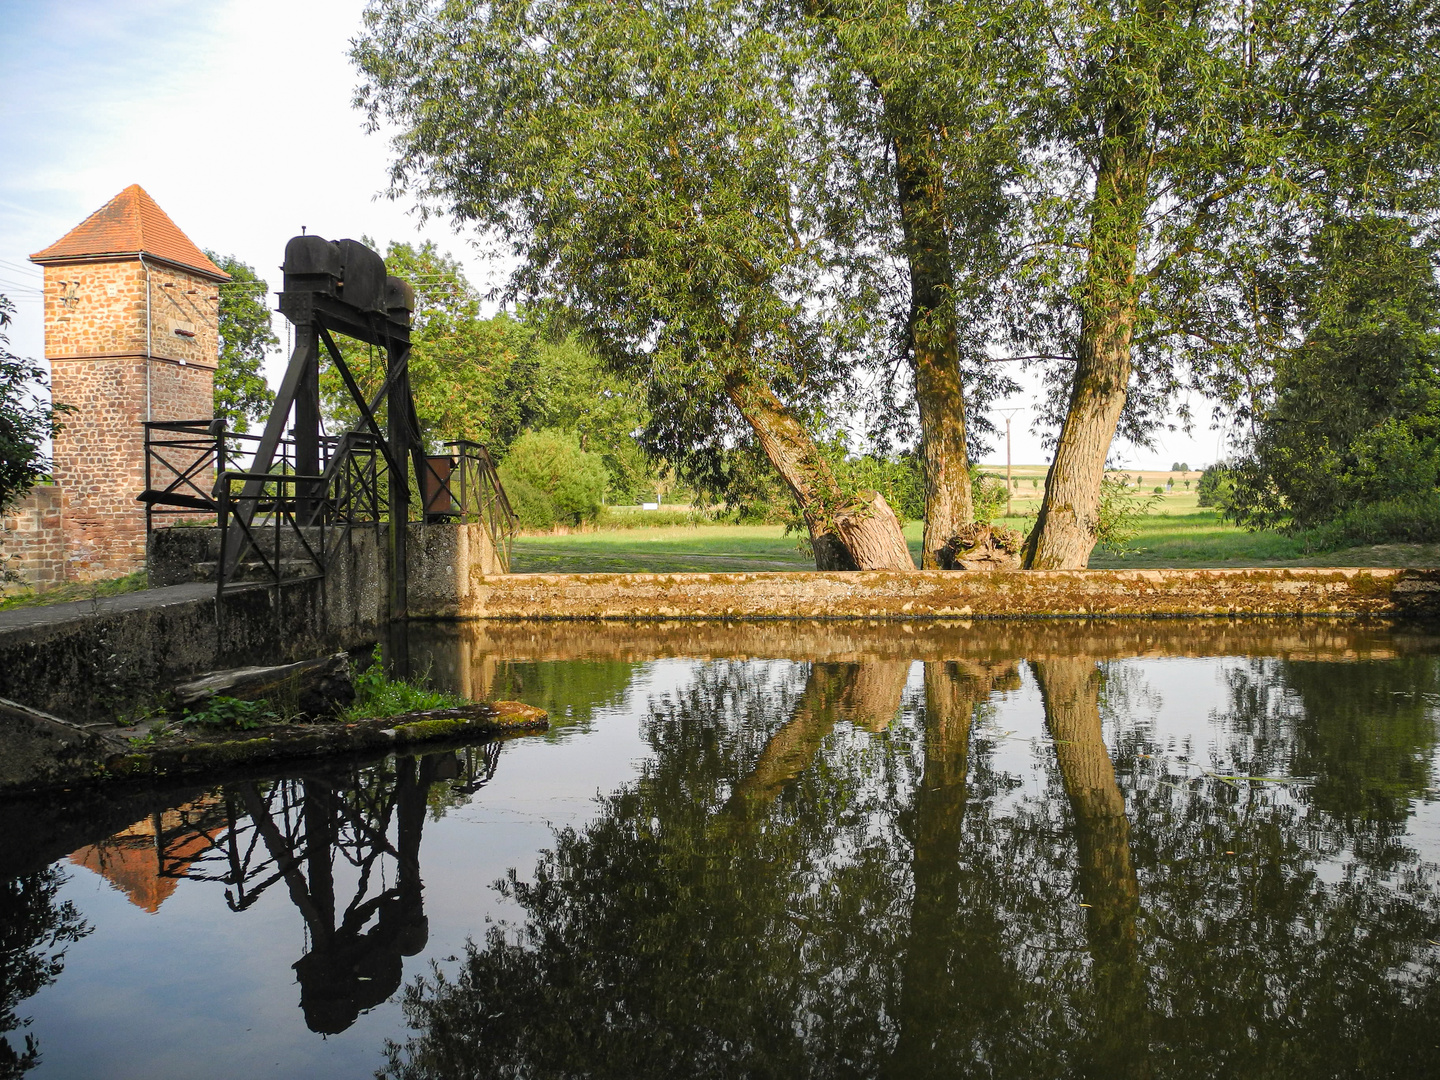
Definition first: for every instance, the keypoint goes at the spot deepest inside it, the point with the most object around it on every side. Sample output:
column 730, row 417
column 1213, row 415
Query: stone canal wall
column 937, row 594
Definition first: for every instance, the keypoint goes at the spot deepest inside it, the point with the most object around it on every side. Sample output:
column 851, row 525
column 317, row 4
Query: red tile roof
column 130, row 224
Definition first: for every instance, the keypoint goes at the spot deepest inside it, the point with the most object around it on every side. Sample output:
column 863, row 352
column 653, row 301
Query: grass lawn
column 1177, row 533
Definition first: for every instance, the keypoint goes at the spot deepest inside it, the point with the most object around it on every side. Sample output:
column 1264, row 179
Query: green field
column 1178, row 533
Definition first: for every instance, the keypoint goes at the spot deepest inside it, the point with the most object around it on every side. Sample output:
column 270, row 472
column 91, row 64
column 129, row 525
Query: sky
column 236, row 117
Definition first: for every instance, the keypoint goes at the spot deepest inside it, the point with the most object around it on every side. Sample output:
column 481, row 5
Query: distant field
column 1177, row 533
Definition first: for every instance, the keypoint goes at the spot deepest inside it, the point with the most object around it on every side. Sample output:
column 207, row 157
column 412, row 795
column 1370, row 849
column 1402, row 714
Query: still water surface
column 1047, row 850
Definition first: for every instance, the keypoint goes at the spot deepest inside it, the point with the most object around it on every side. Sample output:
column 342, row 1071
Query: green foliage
column 241, row 392
column 27, row 418
column 1407, row 519
column 988, row 494
column 1356, row 412
column 233, row 714
column 1121, row 511
column 1216, row 486
column 378, row 696
column 551, row 481
column 670, row 224
column 471, row 377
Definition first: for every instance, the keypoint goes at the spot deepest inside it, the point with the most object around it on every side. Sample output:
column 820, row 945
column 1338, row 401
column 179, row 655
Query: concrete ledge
column 945, row 594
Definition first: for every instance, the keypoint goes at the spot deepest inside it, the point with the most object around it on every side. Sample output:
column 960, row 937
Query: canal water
column 1004, row 850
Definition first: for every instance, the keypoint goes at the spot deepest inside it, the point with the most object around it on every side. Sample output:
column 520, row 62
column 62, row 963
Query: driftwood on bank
column 316, row 687
column 982, row 547
column 871, row 533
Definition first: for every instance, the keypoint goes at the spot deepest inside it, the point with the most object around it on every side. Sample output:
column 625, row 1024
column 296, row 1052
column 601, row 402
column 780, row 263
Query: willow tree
column 1192, row 144
column 922, row 106
column 644, row 166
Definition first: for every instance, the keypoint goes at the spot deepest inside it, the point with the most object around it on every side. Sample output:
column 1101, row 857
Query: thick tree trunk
column 1066, row 530
column 871, row 533
column 1107, row 879
column 790, row 750
column 944, row 459
column 872, row 697
column 952, row 960
column 798, row 460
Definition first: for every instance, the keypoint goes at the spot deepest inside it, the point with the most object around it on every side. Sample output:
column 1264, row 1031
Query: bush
column 551, row 481
column 1406, row 520
column 1217, row 484
column 377, row 696
column 1120, row 513
column 988, row 495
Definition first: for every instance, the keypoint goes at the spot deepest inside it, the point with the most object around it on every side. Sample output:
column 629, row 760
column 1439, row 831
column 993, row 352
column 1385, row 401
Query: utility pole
column 1009, row 484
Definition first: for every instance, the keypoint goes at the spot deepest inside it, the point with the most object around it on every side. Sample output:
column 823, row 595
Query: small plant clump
column 378, row 696
column 233, row 714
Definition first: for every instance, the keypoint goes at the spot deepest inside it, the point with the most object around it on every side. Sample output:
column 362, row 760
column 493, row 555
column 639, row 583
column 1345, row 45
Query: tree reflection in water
column 783, row 895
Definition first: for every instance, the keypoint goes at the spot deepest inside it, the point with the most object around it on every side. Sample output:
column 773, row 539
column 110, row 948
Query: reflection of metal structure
column 294, row 831
column 274, row 495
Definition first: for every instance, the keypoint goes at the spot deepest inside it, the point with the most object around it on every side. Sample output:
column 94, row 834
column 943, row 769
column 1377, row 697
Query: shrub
column 551, row 481
column 233, row 714
column 1217, row 484
column 1409, row 519
column 1120, row 514
column 377, row 696
column 988, row 494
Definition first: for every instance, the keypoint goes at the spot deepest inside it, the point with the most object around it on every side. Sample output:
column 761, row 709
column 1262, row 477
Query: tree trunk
column 944, row 459
column 872, row 697
column 872, row 535
column 1107, row 879
column 798, row 460
column 1066, row 529
column 790, row 750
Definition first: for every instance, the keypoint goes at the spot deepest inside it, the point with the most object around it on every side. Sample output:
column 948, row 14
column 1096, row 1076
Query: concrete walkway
column 44, row 615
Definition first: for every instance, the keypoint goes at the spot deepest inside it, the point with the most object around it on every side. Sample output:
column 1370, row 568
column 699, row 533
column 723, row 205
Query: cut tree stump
column 871, row 533
column 982, row 547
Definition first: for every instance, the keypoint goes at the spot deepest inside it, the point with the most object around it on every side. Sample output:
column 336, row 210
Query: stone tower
column 131, row 334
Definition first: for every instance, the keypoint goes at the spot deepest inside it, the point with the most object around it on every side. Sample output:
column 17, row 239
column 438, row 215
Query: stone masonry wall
column 95, row 340
column 98, row 309
column 931, row 594
column 32, row 540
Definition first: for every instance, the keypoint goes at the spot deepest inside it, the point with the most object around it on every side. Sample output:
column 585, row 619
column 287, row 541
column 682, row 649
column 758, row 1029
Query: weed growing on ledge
column 377, row 696
column 234, row 714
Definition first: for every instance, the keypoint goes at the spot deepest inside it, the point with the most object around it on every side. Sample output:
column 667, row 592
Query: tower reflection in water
column 345, row 846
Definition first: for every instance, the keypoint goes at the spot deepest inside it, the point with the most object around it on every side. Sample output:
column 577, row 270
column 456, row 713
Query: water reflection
column 333, row 840
column 946, row 856
column 35, row 929
column 781, row 894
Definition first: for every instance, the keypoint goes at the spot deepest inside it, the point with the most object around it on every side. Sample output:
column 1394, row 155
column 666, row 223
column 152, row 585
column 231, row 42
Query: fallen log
column 318, row 687
column 197, row 755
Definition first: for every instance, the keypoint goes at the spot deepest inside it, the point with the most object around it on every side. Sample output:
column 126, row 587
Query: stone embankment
column 75, row 755
column 939, row 594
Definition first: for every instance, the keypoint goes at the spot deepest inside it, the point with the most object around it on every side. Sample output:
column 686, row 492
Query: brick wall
column 32, row 538
column 95, row 339
column 98, row 309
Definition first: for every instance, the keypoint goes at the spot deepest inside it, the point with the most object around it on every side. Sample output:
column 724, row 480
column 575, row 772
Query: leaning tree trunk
column 1068, row 525
column 871, row 533
column 944, row 460
column 798, row 460
column 1107, row 880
